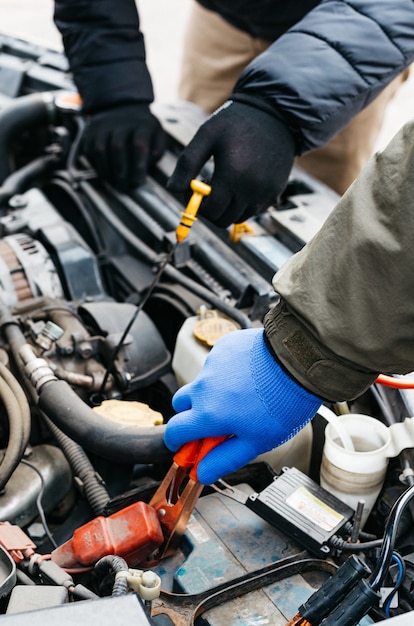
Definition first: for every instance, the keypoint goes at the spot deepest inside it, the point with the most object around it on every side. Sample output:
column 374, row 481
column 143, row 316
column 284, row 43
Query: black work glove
column 253, row 155
column 122, row 142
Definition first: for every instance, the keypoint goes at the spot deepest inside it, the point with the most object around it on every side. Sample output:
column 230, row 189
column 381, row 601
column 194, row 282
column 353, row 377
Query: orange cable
column 396, row 383
column 296, row 620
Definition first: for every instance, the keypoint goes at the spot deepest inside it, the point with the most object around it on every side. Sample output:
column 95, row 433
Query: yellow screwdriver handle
column 189, row 215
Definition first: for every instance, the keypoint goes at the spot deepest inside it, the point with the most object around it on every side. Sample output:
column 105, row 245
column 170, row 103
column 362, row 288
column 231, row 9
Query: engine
column 102, row 319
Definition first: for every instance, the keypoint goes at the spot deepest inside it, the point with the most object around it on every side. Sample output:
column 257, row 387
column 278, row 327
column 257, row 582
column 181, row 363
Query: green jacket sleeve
column 347, row 298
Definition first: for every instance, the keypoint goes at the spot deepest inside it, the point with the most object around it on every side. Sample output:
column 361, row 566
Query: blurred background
column 163, row 24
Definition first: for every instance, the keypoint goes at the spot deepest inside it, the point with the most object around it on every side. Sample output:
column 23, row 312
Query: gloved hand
column 122, row 142
column 253, row 155
column 242, row 392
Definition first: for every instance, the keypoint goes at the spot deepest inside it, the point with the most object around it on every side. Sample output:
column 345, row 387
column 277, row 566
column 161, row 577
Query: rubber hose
column 97, row 434
column 22, row 113
column 15, row 339
column 11, row 331
column 94, row 490
column 19, row 181
column 116, row 564
column 78, row 421
column 20, row 396
column 13, row 452
column 18, row 414
column 62, row 184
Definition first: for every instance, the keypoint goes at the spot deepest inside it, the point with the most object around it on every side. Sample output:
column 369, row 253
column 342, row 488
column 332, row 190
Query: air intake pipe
column 25, row 112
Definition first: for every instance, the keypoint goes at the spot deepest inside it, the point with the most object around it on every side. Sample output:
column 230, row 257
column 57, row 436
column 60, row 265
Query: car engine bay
column 102, row 319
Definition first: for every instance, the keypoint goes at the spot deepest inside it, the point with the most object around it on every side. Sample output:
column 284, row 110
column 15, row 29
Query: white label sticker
column 314, row 509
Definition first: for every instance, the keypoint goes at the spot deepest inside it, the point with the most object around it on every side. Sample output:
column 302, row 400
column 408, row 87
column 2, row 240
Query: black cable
column 75, row 174
column 93, row 488
column 405, row 457
column 361, row 535
column 400, row 579
column 112, row 564
column 128, row 327
column 367, row 536
column 39, row 502
column 389, row 539
column 348, row 546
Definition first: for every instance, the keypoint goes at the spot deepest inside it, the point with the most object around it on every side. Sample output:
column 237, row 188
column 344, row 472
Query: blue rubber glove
column 242, row 392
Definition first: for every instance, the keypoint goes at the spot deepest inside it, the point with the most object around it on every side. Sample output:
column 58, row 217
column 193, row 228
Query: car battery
column 224, row 540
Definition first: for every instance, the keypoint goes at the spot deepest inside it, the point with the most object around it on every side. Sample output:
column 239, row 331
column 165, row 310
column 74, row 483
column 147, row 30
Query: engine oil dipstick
column 188, row 216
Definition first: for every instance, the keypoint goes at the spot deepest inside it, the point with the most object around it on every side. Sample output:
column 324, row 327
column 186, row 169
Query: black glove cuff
column 313, row 365
column 134, row 105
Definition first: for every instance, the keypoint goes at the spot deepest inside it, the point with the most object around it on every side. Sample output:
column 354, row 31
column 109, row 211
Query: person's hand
column 121, row 143
column 253, row 155
column 241, row 392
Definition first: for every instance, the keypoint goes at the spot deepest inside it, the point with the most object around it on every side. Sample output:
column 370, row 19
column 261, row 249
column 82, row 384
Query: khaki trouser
column 215, row 54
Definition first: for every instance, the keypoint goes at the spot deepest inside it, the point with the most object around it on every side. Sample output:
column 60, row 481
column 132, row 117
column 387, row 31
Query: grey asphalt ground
column 163, row 23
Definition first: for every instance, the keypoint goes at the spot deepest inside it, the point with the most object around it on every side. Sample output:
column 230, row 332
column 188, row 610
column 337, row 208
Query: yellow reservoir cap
column 209, row 329
column 129, row 413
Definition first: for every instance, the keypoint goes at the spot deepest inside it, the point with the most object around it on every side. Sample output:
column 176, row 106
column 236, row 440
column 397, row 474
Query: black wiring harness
column 354, row 590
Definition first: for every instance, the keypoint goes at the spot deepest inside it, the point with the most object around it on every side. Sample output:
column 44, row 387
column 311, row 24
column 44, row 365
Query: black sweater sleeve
column 106, row 51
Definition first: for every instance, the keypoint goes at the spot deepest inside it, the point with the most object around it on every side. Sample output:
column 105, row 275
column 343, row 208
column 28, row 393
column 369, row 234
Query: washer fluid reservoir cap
column 211, row 326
